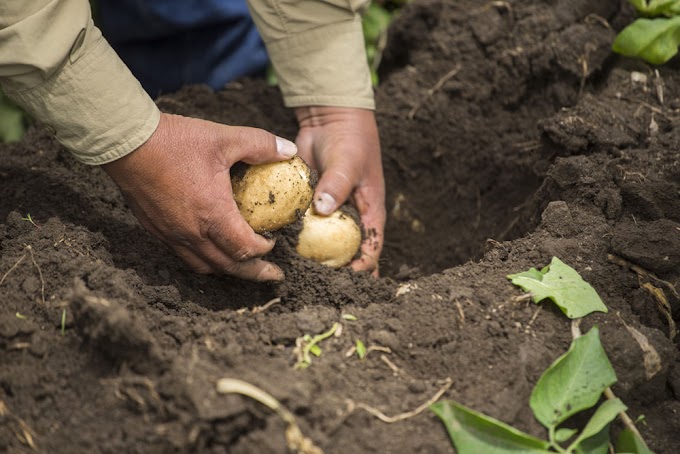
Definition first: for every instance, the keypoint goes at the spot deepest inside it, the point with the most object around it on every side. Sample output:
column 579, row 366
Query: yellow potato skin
column 330, row 240
column 271, row 196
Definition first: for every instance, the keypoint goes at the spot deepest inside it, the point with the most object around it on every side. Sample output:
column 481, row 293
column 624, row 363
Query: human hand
column 178, row 186
column 343, row 145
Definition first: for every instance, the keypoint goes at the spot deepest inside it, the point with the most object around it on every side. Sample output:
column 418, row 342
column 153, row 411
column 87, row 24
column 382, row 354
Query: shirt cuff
column 94, row 105
column 324, row 66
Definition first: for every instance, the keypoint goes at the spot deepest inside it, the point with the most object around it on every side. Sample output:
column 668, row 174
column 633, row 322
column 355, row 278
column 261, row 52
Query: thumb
column 255, row 146
column 333, row 190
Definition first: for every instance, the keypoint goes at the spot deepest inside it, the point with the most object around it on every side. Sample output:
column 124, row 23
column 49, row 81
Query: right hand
column 179, row 188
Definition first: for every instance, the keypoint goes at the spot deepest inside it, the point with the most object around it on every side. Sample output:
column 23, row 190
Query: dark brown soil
column 540, row 145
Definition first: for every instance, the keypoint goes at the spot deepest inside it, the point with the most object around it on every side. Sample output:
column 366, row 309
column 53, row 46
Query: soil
column 539, row 143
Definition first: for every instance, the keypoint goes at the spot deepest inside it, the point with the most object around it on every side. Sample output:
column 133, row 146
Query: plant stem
column 553, row 443
column 306, row 359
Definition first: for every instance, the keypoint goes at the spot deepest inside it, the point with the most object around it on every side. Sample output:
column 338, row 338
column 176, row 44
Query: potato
column 330, row 240
column 271, row 196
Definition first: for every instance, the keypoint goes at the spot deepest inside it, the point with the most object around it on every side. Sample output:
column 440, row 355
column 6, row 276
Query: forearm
column 56, row 65
column 317, row 49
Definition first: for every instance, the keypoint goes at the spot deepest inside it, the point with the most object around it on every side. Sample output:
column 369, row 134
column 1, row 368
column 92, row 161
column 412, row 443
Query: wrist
column 320, row 115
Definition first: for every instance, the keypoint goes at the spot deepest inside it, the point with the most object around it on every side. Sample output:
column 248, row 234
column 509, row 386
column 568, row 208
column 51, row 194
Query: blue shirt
column 171, row 43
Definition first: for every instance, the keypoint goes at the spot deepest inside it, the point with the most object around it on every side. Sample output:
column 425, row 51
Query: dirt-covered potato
column 330, row 240
column 271, row 196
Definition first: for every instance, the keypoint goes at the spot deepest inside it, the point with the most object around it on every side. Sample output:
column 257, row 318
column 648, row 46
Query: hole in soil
column 462, row 150
column 442, row 218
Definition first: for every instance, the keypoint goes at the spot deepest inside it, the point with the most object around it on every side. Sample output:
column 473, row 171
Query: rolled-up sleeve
column 55, row 64
column 317, row 50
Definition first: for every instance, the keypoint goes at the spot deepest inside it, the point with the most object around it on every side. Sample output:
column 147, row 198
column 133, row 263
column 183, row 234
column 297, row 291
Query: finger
column 253, row 270
column 209, row 260
column 256, row 270
column 334, row 188
column 194, row 261
column 372, row 210
column 371, row 249
column 305, row 146
column 232, row 235
column 255, row 146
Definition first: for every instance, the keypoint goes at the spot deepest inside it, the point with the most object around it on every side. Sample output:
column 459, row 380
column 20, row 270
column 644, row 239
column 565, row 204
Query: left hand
column 343, row 145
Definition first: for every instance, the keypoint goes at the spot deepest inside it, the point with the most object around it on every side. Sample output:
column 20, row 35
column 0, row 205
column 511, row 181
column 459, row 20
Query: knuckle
column 239, row 136
column 244, row 253
column 262, row 140
column 182, row 239
column 253, row 139
column 232, row 269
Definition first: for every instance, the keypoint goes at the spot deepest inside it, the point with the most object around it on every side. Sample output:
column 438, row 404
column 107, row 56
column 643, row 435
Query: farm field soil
column 537, row 142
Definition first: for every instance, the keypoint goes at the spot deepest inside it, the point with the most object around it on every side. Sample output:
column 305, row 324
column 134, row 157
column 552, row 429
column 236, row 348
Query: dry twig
column 592, row 17
column 42, row 281
column 259, row 309
column 295, row 440
column 24, row 433
column 18, row 262
column 663, row 306
column 440, row 83
column 645, row 279
column 12, row 268
column 400, row 417
column 527, row 329
column 265, row 306
column 658, row 84
column 369, row 349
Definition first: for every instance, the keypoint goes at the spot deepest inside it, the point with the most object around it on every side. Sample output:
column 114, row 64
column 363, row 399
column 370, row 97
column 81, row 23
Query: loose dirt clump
column 511, row 134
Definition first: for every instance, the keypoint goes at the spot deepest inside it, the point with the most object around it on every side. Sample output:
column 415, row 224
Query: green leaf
column 349, row 317
column 12, row 118
column 574, row 382
column 271, row 77
column 654, row 40
column 564, row 434
column 655, row 8
column 375, row 21
column 473, row 432
column 315, row 350
column 63, row 321
column 640, row 5
column 630, row 443
column 597, row 444
column 563, row 285
column 361, row 349
column 605, row 414
column 533, row 273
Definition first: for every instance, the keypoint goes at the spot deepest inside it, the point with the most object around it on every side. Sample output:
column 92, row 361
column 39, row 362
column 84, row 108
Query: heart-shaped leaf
column 563, row 285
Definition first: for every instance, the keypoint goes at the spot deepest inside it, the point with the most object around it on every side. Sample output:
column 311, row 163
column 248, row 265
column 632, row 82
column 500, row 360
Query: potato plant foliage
column 575, row 382
column 655, row 36
column 563, row 285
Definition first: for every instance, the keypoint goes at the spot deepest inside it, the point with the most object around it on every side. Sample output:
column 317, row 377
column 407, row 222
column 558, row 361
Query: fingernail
column 325, row 204
column 285, row 147
column 275, row 273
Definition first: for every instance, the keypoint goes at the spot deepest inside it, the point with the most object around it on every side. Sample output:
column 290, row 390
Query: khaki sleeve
column 55, row 64
column 317, row 49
